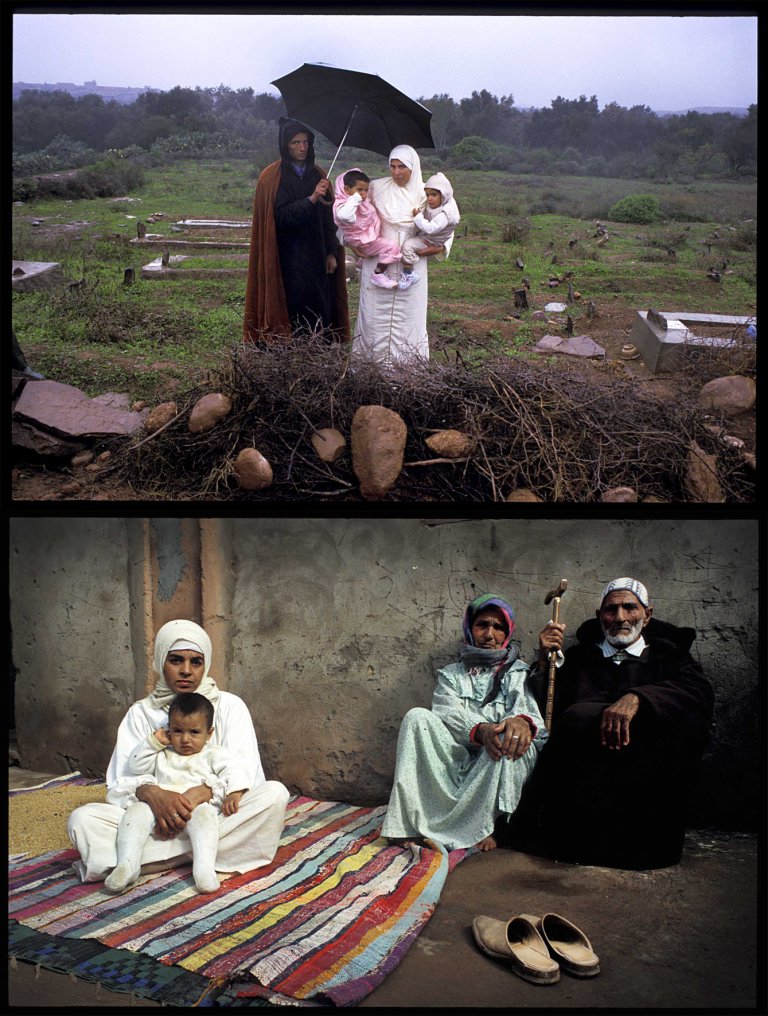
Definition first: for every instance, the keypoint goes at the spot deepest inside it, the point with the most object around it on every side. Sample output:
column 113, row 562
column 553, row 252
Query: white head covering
column 170, row 636
column 393, row 202
column 440, row 182
column 632, row 585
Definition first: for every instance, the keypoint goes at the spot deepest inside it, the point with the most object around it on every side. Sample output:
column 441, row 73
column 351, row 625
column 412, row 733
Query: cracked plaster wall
column 334, row 628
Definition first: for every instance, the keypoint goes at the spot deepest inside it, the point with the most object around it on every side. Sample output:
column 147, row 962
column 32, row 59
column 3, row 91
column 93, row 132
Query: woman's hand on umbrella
column 322, row 188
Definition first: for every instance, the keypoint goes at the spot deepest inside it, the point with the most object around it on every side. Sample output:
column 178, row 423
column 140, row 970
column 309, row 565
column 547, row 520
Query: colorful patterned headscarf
column 483, row 602
column 500, row 660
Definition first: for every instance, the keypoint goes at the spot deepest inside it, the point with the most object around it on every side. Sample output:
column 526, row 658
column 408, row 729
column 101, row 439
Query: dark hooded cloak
column 288, row 289
column 620, row 808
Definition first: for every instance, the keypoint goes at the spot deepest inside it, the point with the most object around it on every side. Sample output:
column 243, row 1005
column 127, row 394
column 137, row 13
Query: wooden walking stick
column 553, row 595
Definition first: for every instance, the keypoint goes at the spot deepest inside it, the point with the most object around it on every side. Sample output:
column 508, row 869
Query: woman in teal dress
column 461, row 766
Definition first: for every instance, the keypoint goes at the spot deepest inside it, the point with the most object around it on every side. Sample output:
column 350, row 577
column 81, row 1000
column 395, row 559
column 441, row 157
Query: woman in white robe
column 461, row 766
column 247, row 839
column 391, row 325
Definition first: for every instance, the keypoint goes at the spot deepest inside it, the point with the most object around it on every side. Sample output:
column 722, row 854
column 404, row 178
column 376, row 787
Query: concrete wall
column 330, row 629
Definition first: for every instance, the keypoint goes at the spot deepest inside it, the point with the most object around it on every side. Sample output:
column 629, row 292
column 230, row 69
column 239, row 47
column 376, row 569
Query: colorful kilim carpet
column 323, row 924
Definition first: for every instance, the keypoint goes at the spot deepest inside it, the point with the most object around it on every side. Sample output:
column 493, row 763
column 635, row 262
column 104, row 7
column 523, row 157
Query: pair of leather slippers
column 537, row 948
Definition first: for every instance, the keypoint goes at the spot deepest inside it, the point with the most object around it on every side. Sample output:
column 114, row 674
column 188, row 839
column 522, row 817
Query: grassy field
column 104, row 335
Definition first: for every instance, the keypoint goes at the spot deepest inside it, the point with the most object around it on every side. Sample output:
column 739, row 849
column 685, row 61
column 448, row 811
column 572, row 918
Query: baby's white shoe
column 407, row 279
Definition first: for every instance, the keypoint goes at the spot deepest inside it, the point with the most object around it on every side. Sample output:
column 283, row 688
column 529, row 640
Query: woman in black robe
column 296, row 273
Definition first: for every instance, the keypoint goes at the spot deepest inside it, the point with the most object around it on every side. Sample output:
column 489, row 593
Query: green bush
column 105, row 179
column 24, row 190
column 472, row 152
column 639, row 208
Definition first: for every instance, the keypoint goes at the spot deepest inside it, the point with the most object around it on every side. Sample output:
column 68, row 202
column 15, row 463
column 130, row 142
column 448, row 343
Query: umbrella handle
column 341, row 145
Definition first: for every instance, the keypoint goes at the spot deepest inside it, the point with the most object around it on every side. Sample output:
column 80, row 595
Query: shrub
column 639, row 208
column 24, row 190
column 515, row 231
column 103, row 180
column 473, row 153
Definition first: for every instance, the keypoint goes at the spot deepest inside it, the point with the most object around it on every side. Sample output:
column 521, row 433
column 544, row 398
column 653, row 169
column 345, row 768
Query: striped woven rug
column 324, row 923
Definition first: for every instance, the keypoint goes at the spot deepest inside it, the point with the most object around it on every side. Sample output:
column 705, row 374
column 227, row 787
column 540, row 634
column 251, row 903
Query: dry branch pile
column 567, row 436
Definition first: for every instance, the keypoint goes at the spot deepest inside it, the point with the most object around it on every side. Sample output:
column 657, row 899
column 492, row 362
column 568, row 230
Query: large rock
column 729, row 396
column 67, row 412
column 378, row 444
column 252, row 470
column 329, row 443
column 702, row 482
column 453, row 444
column 32, row 439
column 208, row 411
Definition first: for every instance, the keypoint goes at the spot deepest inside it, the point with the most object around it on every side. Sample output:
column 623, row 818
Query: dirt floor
column 676, row 938
column 56, row 480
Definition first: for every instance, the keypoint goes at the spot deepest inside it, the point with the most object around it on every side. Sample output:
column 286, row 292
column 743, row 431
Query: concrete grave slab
column 30, row 276
column 663, row 337
column 158, row 240
column 173, row 270
column 214, row 224
column 577, row 345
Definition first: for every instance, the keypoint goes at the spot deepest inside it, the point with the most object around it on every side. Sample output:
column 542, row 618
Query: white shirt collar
column 635, row 649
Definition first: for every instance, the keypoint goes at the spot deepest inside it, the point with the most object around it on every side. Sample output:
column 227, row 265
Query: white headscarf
column 440, row 182
column 395, row 204
column 635, row 587
column 169, row 635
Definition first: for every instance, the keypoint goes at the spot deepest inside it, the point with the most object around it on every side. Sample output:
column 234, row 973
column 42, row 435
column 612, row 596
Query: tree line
column 570, row 136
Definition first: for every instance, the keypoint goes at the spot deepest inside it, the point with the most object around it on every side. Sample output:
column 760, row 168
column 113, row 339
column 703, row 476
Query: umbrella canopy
column 354, row 108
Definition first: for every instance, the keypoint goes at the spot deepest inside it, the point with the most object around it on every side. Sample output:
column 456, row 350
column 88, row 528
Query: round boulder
column 453, row 444
column 208, row 411
column 729, row 395
column 522, row 494
column 252, row 470
column 624, row 494
column 160, row 415
column 329, row 443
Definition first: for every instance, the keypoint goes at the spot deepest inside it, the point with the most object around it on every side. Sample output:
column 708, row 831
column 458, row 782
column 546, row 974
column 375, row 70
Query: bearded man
column 631, row 717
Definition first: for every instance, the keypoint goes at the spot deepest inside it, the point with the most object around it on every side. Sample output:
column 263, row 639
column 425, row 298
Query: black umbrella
column 363, row 110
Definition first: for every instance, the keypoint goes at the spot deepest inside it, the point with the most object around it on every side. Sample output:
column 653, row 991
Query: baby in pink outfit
column 360, row 224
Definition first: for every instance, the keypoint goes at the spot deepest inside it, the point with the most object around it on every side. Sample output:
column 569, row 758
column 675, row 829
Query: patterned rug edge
column 116, row 970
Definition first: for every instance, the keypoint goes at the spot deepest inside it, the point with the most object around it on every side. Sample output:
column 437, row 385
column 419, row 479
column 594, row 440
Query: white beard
column 624, row 639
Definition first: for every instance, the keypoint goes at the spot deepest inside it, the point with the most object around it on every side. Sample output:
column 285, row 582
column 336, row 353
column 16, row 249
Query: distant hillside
column 734, row 110
column 119, row 93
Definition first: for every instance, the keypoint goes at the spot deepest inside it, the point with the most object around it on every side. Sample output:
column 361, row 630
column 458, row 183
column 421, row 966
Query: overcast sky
column 667, row 63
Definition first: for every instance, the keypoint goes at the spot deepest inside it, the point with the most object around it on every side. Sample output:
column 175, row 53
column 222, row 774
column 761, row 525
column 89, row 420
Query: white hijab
column 395, row 204
column 440, row 182
column 169, row 634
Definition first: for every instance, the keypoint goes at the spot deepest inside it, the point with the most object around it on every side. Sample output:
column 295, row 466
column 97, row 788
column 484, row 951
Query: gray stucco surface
column 338, row 625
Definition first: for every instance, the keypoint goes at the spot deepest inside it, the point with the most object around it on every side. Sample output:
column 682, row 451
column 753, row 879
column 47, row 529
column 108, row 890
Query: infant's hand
column 162, row 736
column 416, row 211
column 232, row 802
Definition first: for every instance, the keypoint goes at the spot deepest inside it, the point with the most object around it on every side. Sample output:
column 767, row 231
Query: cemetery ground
column 523, row 243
